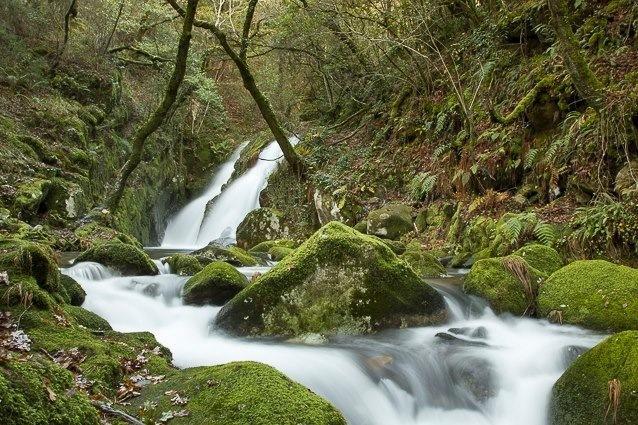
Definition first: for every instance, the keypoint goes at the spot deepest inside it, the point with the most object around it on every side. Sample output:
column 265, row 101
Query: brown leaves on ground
column 12, row 338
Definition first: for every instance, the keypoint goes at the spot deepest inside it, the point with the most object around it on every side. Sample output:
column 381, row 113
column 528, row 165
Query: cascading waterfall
column 499, row 371
column 220, row 209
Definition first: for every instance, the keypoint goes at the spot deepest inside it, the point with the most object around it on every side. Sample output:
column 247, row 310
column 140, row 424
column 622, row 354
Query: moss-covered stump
column 264, row 247
column 236, row 394
column 215, row 284
column 38, row 391
column 390, row 221
column 509, row 284
column 93, row 234
column 74, row 294
column 596, row 294
column 184, row 265
column 600, row 387
column 262, row 224
column 422, row 262
column 125, row 258
column 541, row 257
column 338, row 281
column 278, row 253
column 231, row 255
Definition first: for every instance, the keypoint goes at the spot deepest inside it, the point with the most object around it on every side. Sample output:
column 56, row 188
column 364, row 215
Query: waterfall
column 220, row 209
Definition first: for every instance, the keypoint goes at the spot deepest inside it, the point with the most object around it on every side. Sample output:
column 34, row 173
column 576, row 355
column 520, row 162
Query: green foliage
column 422, row 186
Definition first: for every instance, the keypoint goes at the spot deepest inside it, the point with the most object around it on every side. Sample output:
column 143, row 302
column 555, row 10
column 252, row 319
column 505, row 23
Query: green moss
column 23, row 290
column 397, row 247
column 89, row 320
column 582, row 395
column 74, row 293
column 93, row 234
column 262, row 224
column 184, row 265
column 232, row 255
column 122, row 257
column 265, row 246
column 278, row 253
column 215, row 284
column 30, row 196
column 494, row 280
column 238, row 394
column 361, row 226
column 20, row 257
column 541, row 257
column 338, row 281
column 423, row 263
column 595, row 294
column 390, row 221
column 41, row 392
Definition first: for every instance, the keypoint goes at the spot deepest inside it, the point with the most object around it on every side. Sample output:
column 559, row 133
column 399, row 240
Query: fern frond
column 545, row 233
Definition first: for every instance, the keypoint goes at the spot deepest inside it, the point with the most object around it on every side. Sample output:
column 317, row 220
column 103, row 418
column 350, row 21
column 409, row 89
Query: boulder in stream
column 600, row 387
column 422, row 262
column 126, row 259
column 262, row 224
column 541, row 257
column 338, row 281
column 596, row 294
column 184, row 265
column 215, row 284
column 231, row 255
column 390, row 221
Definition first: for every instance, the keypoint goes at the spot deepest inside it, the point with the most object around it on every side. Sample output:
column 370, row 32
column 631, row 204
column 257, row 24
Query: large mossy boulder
column 593, row 293
column 601, row 386
column 31, row 197
column 184, row 265
column 237, row 394
column 509, row 284
column 338, row 281
column 217, row 283
column 126, row 259
column 39, row 391
column 541, row 257
column 278, row 253
column 93, row 234
column 262, row 224
column 422, row 262
column 390, row 221
column 264, row 247
column 73, row 292
column 231, row 255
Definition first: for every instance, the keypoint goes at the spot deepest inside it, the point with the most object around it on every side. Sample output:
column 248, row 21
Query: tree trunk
column 156, row 119
column 584, row 80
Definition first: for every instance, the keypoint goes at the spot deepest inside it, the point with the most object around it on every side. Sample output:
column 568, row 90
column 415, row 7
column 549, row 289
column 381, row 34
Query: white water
column 201, row 221
column 403, row 377
column 183, row 228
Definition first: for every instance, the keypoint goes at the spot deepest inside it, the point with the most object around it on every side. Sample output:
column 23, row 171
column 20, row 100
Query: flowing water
column 217, row 213
column 496, row 370
column 477, row 369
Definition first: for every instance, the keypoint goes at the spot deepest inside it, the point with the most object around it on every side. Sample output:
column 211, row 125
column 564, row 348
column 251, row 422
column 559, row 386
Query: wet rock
column 262, row 224
column 127, row 259
column 231, row 255
column 476, row 376
column 454, row 339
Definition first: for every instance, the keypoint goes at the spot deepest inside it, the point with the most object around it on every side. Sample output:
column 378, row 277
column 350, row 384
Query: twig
column 109, row 410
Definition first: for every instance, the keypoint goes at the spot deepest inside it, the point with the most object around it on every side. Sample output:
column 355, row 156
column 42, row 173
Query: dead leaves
column 12, row 338
column 176, row 398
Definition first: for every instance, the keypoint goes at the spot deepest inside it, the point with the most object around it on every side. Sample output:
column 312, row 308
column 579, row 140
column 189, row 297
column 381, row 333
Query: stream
column 479, row 368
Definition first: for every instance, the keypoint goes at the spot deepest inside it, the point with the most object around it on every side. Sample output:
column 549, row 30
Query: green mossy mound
column 595, row 294
column 423, row 263
column 215, row 284
column 30, row 196
column 397, row 247
column 238, row 394
column 87, row 319
column 40, row 392
column 74, row 294
column 582, row 395
column 338, row 281
column 541, row 257
column 498, row 280
column 231, row 255
column 93, row 234
column 184, row 265
column 278, row 253
column 262, row 224
column 127, row 259
column 265, row 246
column 390, row 221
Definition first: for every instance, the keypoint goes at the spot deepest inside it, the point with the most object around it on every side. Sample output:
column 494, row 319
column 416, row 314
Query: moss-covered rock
column 600, row 387
column 626, row 184
column 184, row 265
column 40, row 392
column 30, row 196
column 262, row 224
column 278, row 253
column 422, row 262
column 265, row 246
column 74, row 294
column 231, row 255
column 397, row 247
column 215, row 284
column 338, row 281
column 390, row 221
column 509, row 284
column 93, row 233
column 125, row 258
column 237, row 394
column 541, row 257
column 596, row 294
column 361, row 227
column 86, row 318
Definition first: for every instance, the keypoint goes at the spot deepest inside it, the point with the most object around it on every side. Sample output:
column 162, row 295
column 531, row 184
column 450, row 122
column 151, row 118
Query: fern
column 422, row 185
column 512, row 229
column 545, row 233
column 531, row 158
column 440, row 150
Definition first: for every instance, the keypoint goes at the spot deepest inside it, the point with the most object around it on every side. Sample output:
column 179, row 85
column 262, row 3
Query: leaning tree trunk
column 156, row 119
column 584, row 80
